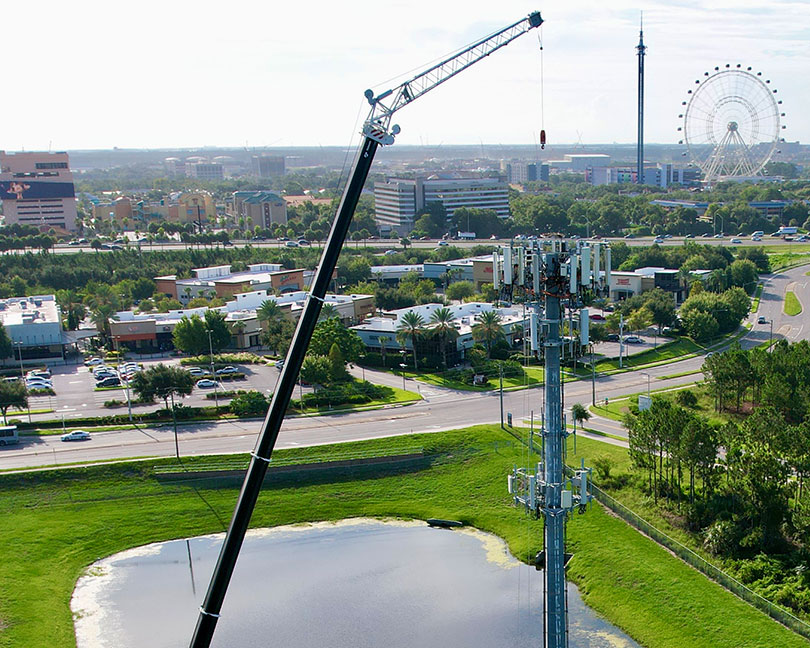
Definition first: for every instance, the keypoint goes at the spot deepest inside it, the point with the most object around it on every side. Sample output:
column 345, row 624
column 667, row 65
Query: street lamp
column 644, row 373
column 117, row 346
column 19, row 346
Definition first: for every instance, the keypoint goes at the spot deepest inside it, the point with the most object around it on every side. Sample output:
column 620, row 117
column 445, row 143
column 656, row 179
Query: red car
column 597, row 317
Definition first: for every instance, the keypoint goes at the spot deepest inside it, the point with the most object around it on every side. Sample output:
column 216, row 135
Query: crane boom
column 384, row 105
column 376, row 132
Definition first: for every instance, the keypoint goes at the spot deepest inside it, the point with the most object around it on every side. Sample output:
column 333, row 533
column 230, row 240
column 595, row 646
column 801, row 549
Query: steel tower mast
column 549, row 276
column 641, row 50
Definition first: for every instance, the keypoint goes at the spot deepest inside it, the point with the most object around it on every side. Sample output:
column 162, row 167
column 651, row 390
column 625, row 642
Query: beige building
column 37, row 189
column 262, row 208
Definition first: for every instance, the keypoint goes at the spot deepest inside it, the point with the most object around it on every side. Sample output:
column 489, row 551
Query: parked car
column 596, row 317
column 632, row 339
column 76, row 435
column 103, row 375
column 226, row 370
column 92, row 362
column 612, row 337
column 38, row 385
column 280, row 364
column 207, row 383
column 39, row 373
column 196, row 371
column 761, row 320
column 111, row 381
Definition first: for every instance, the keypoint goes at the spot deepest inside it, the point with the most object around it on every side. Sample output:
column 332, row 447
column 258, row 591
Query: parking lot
column 76, row 395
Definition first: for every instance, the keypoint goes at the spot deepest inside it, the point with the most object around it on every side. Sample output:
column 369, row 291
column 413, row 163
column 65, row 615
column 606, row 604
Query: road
column 386, row 244
column 441, row 409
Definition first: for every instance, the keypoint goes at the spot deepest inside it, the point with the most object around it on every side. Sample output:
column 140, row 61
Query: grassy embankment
column 60, row 522
column 792, row 304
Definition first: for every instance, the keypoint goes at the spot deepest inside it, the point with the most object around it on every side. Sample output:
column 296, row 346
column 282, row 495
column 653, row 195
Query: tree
column 103, row 304
column 442, row 325
column 579, row 413
column 12, row 394
column 328, row 311
column 488, row 330
column 405, row 242
column 383, row 340
column 163, row 381
column 6, row 346
column 269, row 311
column 460, row 290
column 190, row 335
column 331, row 331
column 639, row 319
column 72, row 307
column 249, row 403
column 700, row 325
column 411, row 327
column 316, row 370
column 337, row 365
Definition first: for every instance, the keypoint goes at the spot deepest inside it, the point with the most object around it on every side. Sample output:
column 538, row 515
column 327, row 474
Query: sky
column 89, row 74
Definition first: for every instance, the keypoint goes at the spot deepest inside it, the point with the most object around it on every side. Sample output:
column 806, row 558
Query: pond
column 356, row 583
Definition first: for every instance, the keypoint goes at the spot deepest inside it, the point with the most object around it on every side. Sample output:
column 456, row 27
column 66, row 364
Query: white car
column 443, row 244
column 196, row 371
column 76, row 435
column 736, row 241
column 91, row 362
column 38, row 384
column 291, row 244
column 207, row 383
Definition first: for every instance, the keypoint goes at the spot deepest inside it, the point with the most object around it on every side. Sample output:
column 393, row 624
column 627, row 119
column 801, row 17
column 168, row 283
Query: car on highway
column 207, row 383
column 443, row 244
column 709, row 354
column 658, row 240
column 303, row 242
column 632, row 339
column 76, row 435
column 291, row 244
column 718, row 236
column 689, row 236
column 706, row 235
column 390, row 252
column 629, row 236
column 761, row 320
column 736, row 241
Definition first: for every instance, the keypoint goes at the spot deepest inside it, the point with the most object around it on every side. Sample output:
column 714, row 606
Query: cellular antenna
column 641, row 51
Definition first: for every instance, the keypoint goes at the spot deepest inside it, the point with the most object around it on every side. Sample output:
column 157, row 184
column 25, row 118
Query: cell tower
column 641, row 50
column 550, row 277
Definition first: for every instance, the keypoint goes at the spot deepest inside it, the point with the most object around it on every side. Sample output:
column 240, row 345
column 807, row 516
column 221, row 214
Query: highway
column 441, row 409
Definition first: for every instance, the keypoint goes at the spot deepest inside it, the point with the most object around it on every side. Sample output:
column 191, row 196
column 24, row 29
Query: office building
column 219, row 281
column 37, row 189
column 209, row 171
column 262, row 208
column 267, row 166
column 397, row 201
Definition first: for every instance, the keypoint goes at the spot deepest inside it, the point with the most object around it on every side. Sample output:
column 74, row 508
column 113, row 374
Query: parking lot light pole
column 770, row 339
column 644, row 373
column 213, row 375
column 22, row 378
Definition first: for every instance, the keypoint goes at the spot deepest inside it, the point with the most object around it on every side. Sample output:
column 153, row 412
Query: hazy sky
column 92, row 74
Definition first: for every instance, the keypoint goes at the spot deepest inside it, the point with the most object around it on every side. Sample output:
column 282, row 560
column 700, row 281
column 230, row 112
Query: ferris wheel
column 731, row 124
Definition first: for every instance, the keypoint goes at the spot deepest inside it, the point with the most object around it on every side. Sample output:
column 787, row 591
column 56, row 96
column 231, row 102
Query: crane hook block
column 542, row 139
column 369, row 94
column 534, row 19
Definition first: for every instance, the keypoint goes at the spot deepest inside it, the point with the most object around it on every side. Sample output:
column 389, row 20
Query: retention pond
column 359, row 583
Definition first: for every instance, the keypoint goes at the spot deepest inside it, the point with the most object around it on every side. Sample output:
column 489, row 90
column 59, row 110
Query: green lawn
column 792, row 304
column 676, row 349
column 60, row 522
column 757, row 297
column 399, row 396
column 781, row 260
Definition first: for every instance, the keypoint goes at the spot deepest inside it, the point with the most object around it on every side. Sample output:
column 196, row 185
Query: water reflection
column 358, row 584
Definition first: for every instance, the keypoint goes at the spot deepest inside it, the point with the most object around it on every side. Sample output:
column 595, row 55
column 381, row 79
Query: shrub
column 686, row 398
column 249, row 403
column 114, row 403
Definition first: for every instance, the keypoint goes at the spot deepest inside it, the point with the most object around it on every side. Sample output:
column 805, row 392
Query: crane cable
column 542, row 91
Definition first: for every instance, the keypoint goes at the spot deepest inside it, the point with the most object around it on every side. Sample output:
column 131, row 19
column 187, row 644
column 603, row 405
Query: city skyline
column 288, row 76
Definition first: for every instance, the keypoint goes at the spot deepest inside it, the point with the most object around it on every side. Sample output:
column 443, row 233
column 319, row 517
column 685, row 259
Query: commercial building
column 37, row 189
column 579, row 162
column 661, row 175
column 626, row 284
column 518, row 172
column 267, row 166
column 398, row 200
column 466, row 317
column 258, row 208
column 219, row 281
column 209, row 171
column 153, row 331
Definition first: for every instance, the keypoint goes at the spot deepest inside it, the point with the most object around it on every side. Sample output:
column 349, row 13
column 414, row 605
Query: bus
column 9, row 435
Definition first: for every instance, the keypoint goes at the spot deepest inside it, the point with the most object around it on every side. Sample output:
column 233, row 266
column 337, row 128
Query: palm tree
column 269, row 311
column 442, row 320
column 328, row 311
column 383, row 340
column 72, row 307
column 103, row 304
column 578, row 413
column 238, row 328
column 488, row 329
column 411, row 327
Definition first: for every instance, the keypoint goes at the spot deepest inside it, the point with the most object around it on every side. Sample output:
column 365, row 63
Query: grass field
column 60, row 522
column 756, row 298
column 676, row 349
column 792, row 304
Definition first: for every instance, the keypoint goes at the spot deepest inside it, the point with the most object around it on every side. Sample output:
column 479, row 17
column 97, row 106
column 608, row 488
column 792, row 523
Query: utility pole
column 621, row 339
column 593, row 378
column 500, row 391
